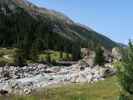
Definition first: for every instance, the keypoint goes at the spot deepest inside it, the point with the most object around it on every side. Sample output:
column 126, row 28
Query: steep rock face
column 32, row 19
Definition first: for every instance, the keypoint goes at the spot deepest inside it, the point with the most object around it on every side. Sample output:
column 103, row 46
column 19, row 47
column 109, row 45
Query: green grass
column 102, row 90
column 10, row 52
column 55, row 56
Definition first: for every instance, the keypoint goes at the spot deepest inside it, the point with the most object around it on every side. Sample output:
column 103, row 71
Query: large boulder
column 109, row 72
column 27, row 91
column 116, row 53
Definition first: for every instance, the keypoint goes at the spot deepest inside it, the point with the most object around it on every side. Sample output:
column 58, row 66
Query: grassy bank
column 7, row 56
column 102, row 90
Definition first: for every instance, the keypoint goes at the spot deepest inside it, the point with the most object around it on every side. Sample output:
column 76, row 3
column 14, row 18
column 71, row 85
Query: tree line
column 20, row 30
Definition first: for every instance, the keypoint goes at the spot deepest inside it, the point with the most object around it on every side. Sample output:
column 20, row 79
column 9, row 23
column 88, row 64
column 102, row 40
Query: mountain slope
column 28, row 25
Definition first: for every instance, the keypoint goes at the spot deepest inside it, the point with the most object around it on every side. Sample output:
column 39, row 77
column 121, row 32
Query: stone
column 34, row 76
column 73, row 78
column 40, row 66
column 3, row 92
column 82, row 68
column 81, row 78
column 116, row 53
column 6, row 87
column 109, row 72
column 27, row 91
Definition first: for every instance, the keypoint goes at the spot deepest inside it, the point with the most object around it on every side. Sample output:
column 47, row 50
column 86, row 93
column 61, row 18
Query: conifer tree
column 20, row 58
column 48, row 57
column 76, row 52
column 34, row 52
column 126, row 74
column 61, row 55
column 99, row 58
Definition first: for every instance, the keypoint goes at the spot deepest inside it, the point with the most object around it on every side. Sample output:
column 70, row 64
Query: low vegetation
column 125, row 74
column 55, row 56
column 99, row 58
column 15, row 56
column 7, row 55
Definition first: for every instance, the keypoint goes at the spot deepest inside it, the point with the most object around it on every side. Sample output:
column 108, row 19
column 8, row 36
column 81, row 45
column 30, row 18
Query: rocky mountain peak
column 33, row 9
column 21, row 2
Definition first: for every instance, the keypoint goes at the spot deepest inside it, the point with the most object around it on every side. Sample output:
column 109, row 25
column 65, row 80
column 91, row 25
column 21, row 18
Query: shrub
column 99, row 58
column 19, row 57
column 125, row 75
column 48, row 58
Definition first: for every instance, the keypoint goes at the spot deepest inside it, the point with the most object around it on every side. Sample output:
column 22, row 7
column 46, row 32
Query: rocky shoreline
column 23, row 80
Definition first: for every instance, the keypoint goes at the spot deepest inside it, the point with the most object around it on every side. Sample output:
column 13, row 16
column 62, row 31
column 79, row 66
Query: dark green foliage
column 34, row 51
column 99, row 58
column 68, row 57
column 48, row 58
column 61, row 54
column 125, row 74
column 2, row 63
column 34, row 33
column 76, row 52
column 20, row 58
column 54, row 62
column 125, row 97
column 93, row 38
column 34, row 55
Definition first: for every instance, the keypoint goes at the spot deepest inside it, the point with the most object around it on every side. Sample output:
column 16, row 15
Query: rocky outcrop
column 117, row 54
column 23, row 80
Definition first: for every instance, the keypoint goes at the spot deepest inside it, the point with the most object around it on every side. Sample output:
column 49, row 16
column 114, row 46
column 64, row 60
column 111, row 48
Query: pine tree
column 20, row 58
column 125, row 75
column 34, row 52
column 99, row 58
column 61, row 55
column 76, row 52
column 48, row 58
column 67, row 56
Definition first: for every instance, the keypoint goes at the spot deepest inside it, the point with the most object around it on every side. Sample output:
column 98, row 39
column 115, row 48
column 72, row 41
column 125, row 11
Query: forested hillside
column 24, row 25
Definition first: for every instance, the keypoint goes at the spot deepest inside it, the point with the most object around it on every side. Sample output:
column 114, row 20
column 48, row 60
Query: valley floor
column 101, row 90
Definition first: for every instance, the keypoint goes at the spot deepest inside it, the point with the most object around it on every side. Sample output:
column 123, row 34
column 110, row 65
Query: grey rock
column 23, row 80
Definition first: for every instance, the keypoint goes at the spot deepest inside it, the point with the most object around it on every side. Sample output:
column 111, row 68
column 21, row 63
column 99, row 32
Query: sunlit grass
column 55, row 56
column 7, row 56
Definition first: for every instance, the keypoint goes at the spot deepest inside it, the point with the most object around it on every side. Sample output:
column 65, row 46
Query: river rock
column 23, row 80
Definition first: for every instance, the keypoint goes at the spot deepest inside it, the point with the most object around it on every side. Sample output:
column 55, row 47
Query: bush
column 99, row 58
column 34, row 55
column 125, row 74
column 20, row 58
column 48, row 57
column 125, row 97
column 1, row 54
column 2, row 63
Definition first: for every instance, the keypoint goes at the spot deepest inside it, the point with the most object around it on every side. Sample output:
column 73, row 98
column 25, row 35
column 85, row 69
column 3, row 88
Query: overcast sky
column 113, row 18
